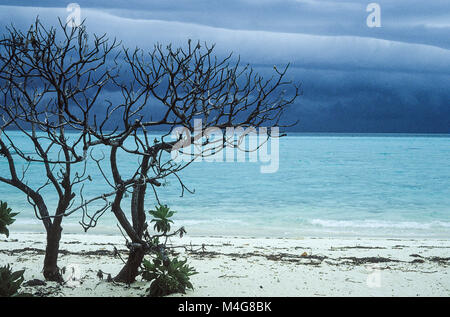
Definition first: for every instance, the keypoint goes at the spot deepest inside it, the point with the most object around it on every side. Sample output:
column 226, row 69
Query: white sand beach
column 253, row 267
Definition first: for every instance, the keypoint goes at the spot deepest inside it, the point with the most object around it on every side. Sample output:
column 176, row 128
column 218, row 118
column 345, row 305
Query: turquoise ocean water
column 327, row 185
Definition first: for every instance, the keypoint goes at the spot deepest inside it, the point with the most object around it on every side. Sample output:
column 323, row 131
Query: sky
column 389, row 79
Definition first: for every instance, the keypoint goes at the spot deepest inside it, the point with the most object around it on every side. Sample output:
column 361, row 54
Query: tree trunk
column 51, row 270
column 130, row 270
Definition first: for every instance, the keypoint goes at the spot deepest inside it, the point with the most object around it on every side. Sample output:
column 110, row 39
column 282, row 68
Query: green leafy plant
column 10, row 281
column 6, row 218
column 168, row 275
column 161, row 218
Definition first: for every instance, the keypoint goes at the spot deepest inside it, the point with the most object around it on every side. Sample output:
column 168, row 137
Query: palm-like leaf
column 6, row 218
column 161, row 218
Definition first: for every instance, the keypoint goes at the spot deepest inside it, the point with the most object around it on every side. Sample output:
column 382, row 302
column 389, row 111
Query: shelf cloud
column 394, row 78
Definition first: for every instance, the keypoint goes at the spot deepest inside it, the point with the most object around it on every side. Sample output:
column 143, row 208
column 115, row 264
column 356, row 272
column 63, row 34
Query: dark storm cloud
column 394, row 79
column 368, row 101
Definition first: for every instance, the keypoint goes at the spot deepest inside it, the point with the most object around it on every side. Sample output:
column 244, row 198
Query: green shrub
column 10, row 281
column 168, row 276
column 6, row 218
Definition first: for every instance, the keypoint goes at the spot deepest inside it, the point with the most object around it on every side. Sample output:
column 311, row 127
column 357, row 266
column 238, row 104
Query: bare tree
column 167, row 89
column 51, row 85
column 45, row 77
